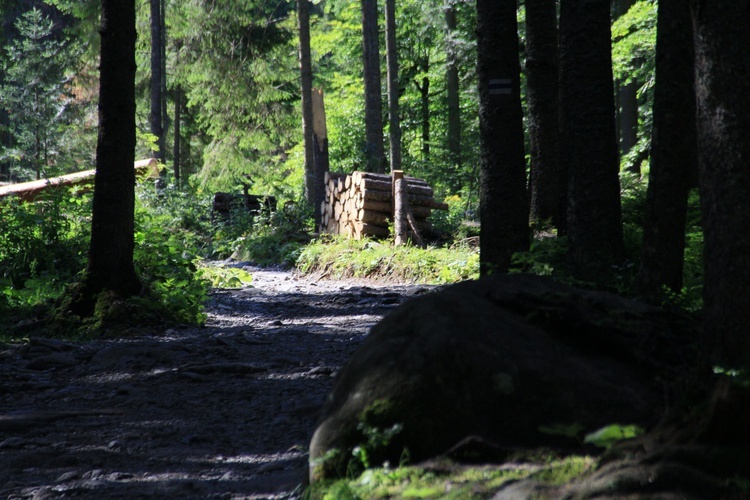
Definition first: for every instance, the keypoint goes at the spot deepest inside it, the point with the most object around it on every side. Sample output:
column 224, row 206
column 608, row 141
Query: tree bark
column 155, row 117
column 320, row 150
column 110, row 261
column 373, row 99
column 588, row 137
column 547, row 180
column 305, row 67
column 722, row 81
column 673, row 151
column 504, row 209
column 453, row 101
column 394, row 126
column 627, row 97
column 424, row 111
column 176, row 146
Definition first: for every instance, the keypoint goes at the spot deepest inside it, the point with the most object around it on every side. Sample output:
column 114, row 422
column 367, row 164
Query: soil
column 222, row 411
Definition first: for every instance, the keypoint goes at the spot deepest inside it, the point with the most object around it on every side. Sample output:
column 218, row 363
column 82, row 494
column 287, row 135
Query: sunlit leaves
column 634, row 44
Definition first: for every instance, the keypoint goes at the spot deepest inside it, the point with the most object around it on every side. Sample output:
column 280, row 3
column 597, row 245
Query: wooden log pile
column 361, row 204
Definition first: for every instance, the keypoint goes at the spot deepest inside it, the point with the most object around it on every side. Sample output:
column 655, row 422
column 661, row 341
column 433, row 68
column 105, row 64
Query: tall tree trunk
column 110, row 263
column 305, row 67
column 424, row 93
column 627, row 98
column 588, row 136
column 176, row 146
column 722, row 81
column 453, row 98
column 320, row 145
column 392, row 57
column 547, row 184
column 673, row 151
column 503, row 197
column 164, row 110
column 373, row 99
column 155, row 117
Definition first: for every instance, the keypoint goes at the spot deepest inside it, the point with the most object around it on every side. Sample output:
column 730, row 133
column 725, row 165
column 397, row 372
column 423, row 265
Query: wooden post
column 400, row 205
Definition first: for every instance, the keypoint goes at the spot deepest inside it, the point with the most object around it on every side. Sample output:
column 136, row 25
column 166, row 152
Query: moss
column 443, row 479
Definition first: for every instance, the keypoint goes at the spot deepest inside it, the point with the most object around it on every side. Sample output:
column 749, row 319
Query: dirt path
column 224, row 411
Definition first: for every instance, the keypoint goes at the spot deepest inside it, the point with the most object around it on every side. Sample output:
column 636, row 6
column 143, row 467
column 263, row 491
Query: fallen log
column 27, row 191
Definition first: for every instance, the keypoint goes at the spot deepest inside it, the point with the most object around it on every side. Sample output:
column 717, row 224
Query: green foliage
column 276, row 237
column 43, row 246
column 47, row 237
column 738, row 377
column 167, row 250
column 459, row 220
column 379, row 434
column 36, row 95
column 337, row 257
column 634, row 61
column 237, row 66
column 225, row 277
column 611, row 434
column 423, row 51
column 634, row 44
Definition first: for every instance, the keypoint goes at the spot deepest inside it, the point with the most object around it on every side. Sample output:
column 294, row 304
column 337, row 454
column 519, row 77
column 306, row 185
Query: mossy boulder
column 511, row 361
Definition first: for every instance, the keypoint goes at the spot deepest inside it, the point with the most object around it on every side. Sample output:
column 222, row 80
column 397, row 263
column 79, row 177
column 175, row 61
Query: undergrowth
column 337, row 257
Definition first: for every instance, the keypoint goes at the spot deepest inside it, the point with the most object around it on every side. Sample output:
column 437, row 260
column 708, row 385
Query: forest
column 597, row 144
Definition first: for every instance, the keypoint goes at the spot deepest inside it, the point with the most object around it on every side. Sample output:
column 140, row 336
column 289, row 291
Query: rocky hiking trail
column 222, row 411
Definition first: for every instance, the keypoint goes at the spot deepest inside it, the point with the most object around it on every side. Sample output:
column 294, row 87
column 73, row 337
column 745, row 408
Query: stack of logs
column 361, row 204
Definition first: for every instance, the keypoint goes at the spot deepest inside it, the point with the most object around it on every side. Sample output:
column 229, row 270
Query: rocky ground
column 224, row 411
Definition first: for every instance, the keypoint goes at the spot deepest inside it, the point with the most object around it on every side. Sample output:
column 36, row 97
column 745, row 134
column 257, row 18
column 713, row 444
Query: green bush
column 276, row 237
column 170, row 240
column 42, row 248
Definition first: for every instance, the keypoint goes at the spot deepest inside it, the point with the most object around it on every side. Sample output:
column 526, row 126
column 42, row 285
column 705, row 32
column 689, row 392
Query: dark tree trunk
column 453, row 101
column 627, row 98
column 722, row 81
column 392, row 57
column 155, row 117
column 164, row 107
column 673, row 151
column 588, row 136
column 320, row 146
column 176, row 145
column 373, row 99
column 110, row 265
column 305, row 66
column 547, row 180
column 424, row 99
column 504, row 207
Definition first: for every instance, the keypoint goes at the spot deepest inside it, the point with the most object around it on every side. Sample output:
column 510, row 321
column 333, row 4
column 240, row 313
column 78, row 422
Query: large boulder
column 511, row 361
